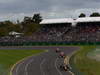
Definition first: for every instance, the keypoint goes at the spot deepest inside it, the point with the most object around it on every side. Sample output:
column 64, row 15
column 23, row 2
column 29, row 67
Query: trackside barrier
column 46, row 43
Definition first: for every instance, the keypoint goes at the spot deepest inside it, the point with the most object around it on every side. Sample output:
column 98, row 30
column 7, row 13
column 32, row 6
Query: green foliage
column 3, row 31
column 6, row 27
column 27, row 20
column 27, row 26
column 37, row 18
column 31, row 24
column 95, row 14
column 82, row 15
column 17, row 28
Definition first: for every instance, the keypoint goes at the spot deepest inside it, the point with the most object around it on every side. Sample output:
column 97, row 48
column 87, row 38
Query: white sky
column 17, row 9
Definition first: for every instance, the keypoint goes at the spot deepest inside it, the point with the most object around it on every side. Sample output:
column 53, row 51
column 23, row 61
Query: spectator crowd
column 61, row 33
column 78, row 33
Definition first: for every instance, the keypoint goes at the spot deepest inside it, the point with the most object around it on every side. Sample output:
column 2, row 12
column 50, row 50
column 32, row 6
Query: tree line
column 95, row 14
column 27, row 26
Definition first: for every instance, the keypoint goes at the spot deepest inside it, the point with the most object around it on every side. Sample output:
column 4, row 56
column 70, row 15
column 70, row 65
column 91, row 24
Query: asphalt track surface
column 43, row 64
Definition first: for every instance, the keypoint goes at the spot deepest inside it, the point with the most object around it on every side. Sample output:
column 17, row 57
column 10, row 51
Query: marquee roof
column 88, row 19
column 70, row 20
column 52, row 21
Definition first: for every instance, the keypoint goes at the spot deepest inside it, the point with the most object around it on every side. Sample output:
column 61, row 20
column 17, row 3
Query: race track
column 43, row 64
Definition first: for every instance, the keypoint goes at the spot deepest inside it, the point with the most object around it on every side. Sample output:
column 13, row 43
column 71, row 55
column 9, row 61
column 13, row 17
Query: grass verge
column 85, row 65
column 9, row 57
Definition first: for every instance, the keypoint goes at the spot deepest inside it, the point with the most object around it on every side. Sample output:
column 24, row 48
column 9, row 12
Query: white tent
column 14, row 33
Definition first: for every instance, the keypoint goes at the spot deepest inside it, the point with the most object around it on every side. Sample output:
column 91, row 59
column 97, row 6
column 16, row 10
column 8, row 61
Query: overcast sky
column 16, row 9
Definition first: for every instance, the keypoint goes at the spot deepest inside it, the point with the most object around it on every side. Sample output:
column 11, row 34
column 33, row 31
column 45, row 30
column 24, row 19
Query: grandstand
column 53, row 29
column 86, row 30
column 89, row 29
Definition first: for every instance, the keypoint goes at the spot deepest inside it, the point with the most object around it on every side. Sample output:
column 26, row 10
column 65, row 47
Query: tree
column 25, row 22
column 5, row 27
column 3, row 31
column 27, row 19
column 95, row 14
column 17, row 28
column 37, row 18
column 9, row 25
column 30, row 24
column 82, row 15
column 32, row 27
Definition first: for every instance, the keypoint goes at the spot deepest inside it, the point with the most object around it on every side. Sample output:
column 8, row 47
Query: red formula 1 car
column 62, row 54
column 57, row 50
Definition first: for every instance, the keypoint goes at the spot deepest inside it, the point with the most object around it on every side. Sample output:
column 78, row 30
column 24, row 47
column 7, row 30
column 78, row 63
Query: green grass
column 9, row 57
column 84, row 64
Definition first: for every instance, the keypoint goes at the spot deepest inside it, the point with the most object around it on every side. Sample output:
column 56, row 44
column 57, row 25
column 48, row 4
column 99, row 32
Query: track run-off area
column 46, row 63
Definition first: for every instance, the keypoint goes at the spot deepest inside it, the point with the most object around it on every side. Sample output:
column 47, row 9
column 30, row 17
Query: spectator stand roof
column 54, row 21
column 88, row 19
column 70, row 20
